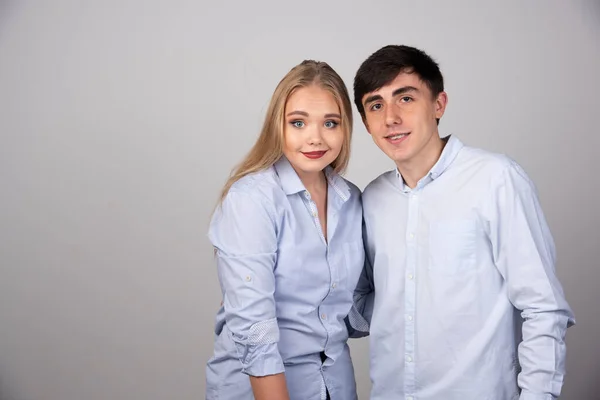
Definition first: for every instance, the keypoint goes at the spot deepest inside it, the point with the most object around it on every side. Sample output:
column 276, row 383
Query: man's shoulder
column 385, row 182
column 484, row 161
column 482, row 165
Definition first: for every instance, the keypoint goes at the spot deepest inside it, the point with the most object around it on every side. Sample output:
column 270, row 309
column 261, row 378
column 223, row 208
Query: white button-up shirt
column 467, row 305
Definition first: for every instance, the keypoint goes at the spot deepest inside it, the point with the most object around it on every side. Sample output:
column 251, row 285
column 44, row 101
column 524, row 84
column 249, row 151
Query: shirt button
column 410, row 398
column 410, row 318
column 323, row 316
column 248, row 279
column 412, row 235
column 410, row 277
column 409, row 358
column 314, row 214
column 334, row 285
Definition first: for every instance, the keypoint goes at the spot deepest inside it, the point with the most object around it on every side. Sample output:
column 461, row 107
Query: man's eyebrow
column 402, row 90
column 304, row 114
column 372, row 98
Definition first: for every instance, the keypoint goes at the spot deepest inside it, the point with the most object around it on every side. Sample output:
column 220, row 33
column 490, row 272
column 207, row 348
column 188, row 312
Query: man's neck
column 415, row 169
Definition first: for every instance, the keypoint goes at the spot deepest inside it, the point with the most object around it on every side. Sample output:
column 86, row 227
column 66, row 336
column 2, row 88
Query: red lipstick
column 313, row 155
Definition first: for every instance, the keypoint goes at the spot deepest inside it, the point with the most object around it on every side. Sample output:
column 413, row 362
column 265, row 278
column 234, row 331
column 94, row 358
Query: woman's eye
column 297, row 124
column 331, row 124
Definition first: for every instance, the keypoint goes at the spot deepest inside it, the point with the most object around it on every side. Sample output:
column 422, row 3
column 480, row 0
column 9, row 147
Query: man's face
column 401, row 118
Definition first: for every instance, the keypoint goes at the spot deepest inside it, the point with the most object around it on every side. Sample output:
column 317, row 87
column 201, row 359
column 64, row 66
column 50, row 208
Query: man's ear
column 440, row 104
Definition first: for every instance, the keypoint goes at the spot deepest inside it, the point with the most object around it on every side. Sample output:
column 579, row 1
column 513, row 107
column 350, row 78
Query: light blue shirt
column 462, row 266
column 286, row 290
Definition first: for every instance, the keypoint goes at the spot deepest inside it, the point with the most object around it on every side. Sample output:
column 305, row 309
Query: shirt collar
column 291, row 183
column 449, row 153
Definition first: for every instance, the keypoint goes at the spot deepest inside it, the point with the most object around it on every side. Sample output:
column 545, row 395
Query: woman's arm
column 243, row 231
column 272, row 387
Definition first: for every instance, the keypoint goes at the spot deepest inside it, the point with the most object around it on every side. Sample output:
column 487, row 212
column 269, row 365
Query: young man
column 467, row 305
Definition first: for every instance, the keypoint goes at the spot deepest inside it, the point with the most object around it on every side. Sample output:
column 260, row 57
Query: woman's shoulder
column 261, row 186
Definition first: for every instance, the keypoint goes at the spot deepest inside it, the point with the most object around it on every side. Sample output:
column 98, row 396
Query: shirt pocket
column 452, row 246
column 354, row 260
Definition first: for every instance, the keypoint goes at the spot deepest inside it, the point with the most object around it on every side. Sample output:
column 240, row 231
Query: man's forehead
column 404, row 82
column 402, row 79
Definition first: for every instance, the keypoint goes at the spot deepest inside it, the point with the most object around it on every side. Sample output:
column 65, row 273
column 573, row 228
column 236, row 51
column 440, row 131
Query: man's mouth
column 396, row 137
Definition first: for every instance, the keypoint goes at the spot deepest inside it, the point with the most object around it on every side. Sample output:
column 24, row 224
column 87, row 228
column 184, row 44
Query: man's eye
column 375, row 107
column 406, row 99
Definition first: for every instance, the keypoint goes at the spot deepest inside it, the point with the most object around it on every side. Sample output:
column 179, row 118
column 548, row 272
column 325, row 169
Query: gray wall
column 119, row 121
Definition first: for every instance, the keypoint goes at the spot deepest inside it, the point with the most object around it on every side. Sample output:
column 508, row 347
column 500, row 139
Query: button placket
column 315, row 214
column 411, row 238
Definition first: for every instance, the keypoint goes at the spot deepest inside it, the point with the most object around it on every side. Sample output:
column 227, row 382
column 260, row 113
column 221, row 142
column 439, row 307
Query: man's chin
column 399, row 156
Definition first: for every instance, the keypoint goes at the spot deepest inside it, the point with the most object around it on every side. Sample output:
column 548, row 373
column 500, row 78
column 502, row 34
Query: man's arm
column 359, row 319
column 524, row 253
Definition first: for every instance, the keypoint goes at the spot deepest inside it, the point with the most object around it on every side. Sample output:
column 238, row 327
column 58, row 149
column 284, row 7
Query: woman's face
column 313, row 136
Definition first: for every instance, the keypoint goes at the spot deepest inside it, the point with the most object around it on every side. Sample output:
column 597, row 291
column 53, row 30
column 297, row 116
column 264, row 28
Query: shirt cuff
column 356, row 324
column 259, row 353
column 262, row 360
column 525, row 395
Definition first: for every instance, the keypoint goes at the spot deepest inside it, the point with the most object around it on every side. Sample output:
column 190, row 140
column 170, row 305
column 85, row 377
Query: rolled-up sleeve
column 244, row 233
column 524, row 253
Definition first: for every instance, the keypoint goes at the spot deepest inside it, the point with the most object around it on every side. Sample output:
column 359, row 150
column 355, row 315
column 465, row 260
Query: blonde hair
column 269, row 146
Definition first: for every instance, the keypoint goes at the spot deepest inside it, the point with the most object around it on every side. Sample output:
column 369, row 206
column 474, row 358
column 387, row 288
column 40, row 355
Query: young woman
column 288, row 243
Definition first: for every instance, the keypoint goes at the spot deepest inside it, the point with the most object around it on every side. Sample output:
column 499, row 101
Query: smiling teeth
column 401, row 135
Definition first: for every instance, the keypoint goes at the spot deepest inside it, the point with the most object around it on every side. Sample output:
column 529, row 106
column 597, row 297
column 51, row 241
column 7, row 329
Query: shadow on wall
column 591, row 12
column 6, row 8
column 4, row 393
column 595, row 383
